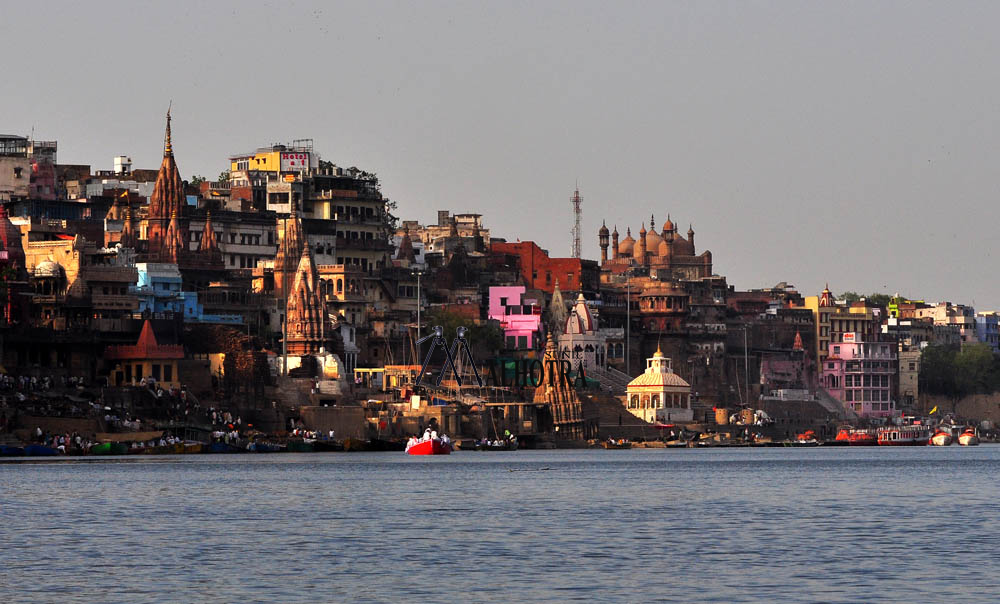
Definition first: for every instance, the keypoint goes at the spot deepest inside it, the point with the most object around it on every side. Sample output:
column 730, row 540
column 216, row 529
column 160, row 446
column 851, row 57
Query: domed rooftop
column 659, row 379
column 653, row 241
column 48, row 268
column 625, row 247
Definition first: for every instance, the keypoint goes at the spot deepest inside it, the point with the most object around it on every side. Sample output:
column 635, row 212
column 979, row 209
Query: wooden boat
column 221, row 447
column 968, row 438
column 940, row 438
column 381, row 444
column 904, row 436
column 263, row 447
column 434, row 446
column 356, row 444
column 192, row 448
column 623, row 444
column 327, row 445
column 11, row 451
column 300, row 446
column 40, row 451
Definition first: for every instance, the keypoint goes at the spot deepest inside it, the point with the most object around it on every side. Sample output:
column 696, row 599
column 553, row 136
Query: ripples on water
column 724, row 525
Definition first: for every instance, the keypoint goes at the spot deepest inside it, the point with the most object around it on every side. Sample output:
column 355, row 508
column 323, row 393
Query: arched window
column 656, row 402
column 645, row 402
column 634, row 402
column 340, row 286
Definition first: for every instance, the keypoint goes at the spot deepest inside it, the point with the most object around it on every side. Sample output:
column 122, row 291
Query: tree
column 485, row 339
column 849, row 297
column 959, row 373
column 882, row 300
column 224, row 176
column 197, row 179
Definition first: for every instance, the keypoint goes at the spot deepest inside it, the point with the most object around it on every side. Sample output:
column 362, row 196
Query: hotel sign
column 294, row 162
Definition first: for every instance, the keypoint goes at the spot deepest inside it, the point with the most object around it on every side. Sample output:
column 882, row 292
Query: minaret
column 640, row 246
column 602, row 236
column 614, row 243
column 691, row 237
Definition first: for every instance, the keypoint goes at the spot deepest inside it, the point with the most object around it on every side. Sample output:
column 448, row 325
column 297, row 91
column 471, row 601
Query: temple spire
column 168, row 150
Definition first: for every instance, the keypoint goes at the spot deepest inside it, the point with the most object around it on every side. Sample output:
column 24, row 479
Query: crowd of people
column 72, row 443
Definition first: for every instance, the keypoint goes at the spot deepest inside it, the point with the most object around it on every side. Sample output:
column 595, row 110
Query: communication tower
column 577, row 215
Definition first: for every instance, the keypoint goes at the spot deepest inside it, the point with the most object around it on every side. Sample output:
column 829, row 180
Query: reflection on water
column 725, row 525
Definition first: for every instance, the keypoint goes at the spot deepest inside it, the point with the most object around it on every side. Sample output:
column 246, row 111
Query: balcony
column 114, row 302
column 122, row 274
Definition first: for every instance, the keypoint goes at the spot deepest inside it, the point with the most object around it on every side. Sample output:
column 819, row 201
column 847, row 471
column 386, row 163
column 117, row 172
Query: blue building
column 988, row 329
column 161, row 296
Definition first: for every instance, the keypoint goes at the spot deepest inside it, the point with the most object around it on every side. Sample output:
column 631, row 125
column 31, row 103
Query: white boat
column 940, row 438
column 968, row 438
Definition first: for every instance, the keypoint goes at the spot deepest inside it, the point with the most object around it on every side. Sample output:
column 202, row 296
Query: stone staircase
column 611, row 379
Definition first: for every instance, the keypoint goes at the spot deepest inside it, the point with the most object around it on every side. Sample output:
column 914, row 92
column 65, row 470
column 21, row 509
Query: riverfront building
column 659, row 395
column 860, row 374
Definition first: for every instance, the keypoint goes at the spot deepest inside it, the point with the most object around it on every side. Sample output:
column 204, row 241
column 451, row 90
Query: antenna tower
column 577, row 215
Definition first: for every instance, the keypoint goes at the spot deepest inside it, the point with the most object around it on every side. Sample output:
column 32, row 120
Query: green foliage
column 872, row 299
column 224, row 176
column 958, row 373
column 197, row 179
column 485, row 339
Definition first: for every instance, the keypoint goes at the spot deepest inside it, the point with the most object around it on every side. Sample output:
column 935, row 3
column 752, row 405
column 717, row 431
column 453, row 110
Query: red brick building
column 539, row 271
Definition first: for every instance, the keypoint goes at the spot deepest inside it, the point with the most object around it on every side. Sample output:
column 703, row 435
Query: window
column 156, row 372
column 522, row 342
column 836, row 350
column 511, row 342
column 634, row 402
column 168, row 373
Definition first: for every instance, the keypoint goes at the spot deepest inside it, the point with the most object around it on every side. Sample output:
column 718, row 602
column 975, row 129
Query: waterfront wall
column 977, row 406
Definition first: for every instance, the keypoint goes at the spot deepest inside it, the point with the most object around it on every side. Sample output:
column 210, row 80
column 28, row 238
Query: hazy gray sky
column 849, row 142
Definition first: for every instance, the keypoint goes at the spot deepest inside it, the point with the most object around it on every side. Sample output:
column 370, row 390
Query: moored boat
column 616, row 444
column 40, row 451
column 434, row 446
column 903, row 435
column 856, row 436
column 11, row 451
column 968, row 438
column 940, row 438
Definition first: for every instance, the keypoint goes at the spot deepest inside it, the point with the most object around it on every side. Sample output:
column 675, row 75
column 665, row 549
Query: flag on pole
column 933, row 411
column 124, row 194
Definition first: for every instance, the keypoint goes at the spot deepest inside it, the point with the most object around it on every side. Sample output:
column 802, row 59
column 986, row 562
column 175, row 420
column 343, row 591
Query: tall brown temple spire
column 168, row 192
column 173, row 241
column 289, row 252
column 305, row 314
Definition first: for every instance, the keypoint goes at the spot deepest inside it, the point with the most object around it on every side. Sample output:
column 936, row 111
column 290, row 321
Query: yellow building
column 833, row 321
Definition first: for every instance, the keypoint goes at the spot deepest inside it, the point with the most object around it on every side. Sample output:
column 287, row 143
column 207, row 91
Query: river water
column 723, row 525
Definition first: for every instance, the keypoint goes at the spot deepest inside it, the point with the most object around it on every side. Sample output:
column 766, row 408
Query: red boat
column 857, row 436
column 904, row 435
column 429, row 447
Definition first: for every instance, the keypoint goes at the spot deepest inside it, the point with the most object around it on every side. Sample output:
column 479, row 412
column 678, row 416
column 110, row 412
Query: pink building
column 520, row 319
column 860, row 375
